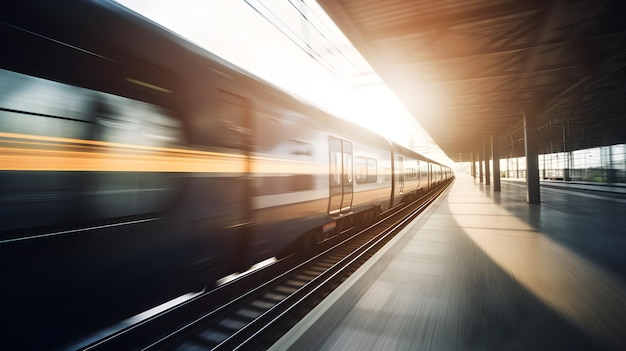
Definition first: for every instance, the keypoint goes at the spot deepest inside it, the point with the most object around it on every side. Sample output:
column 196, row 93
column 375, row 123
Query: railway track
column 255, row 310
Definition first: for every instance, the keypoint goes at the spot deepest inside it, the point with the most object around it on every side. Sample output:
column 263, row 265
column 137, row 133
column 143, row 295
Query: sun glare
column 235, row 31
column 429, row 101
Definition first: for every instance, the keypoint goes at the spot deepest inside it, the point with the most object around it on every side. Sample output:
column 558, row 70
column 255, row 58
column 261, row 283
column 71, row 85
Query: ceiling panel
column 490, row 60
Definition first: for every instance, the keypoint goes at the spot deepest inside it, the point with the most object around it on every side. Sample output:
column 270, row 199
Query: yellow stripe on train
column 111, row 160
column 19, row 152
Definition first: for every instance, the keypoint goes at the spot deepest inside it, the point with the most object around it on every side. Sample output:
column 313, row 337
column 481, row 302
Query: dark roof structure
column 493, row 60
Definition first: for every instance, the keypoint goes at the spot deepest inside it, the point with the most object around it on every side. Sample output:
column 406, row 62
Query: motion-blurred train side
column 135, row 166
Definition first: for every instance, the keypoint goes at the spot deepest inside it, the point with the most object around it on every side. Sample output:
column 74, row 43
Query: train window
column 336, row 169
column 348, row 180
column 360, row 165
column 30, row 105
column 424, row 170
column 301, row 148
column 230, row 127
column 336, row 162
column 367, row 170
column 86, row 154
column 336, row 173
column 299, row 182
column 372, row 170
column 36, row 106
column 417, row 170
column 121, row 120
column 348, row 164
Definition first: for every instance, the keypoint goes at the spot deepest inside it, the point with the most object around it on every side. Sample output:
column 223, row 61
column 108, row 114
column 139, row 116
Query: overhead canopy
column 486, row 62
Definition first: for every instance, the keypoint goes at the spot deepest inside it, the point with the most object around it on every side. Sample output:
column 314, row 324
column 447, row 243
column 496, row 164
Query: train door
column 340, row 176
column 401, row 174
column 430, row 175
column 235, row 193
column 418, row 175
column 236, row 123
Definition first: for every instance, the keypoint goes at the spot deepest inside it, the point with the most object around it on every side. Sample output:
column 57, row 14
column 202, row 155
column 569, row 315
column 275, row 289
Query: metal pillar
column 473, row 167
column 495, row 155
column 480, row 166
column 612, row 172
column 533, row 195
column 487, row 170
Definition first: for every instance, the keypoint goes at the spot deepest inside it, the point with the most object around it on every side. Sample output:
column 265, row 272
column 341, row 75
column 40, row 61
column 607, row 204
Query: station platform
column 486, row 271
column 607, row 189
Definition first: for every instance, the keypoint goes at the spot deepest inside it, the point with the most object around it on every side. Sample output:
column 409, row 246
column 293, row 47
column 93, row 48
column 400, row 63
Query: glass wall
column 513, row 167
column 605, row 164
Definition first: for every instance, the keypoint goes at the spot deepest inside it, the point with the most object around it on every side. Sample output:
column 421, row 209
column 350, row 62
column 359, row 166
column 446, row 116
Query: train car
column 136, row 167
column 310, row 175
column 415, row 174
column 411, row 174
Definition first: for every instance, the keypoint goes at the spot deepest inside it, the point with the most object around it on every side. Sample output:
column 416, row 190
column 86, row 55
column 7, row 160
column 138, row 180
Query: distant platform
column 486, row 271
column 617, row 188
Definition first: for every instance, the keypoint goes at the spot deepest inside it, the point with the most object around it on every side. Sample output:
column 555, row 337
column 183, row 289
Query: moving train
column 135, row 167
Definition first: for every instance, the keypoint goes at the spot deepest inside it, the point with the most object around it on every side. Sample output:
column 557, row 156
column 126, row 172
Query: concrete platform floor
column 486, row 271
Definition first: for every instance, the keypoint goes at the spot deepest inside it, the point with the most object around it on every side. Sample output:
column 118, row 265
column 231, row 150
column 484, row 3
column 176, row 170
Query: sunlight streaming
column 582, row 292
column 341, row 83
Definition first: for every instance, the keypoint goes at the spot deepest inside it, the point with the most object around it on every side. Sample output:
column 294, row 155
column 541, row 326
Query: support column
column 495, row 155
column 533, row 195
column 480, row 166
column 487, row 170
column 473, row 167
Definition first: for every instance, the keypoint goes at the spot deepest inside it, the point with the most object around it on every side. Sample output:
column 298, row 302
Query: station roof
column 491, row 60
